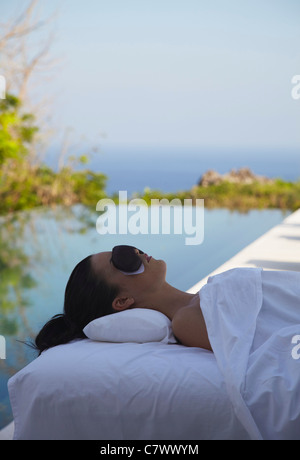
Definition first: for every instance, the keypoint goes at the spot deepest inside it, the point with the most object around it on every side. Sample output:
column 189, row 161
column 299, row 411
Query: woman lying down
column 249, row 318
column 110, row 282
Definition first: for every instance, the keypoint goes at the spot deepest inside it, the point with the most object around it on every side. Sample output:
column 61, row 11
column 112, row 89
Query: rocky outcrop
column 239, row 176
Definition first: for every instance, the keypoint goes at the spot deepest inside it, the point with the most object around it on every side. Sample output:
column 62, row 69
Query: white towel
column 252, row 317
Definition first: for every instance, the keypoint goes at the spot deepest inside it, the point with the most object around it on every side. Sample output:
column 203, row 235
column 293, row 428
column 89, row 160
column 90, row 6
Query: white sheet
column 252, row 317
column 108, row 391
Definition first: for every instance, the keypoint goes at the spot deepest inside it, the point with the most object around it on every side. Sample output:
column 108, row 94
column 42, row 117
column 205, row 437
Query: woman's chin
column 163, row 265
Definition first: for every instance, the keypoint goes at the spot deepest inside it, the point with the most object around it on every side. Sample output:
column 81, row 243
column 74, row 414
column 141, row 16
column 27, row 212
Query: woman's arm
column 189, row 327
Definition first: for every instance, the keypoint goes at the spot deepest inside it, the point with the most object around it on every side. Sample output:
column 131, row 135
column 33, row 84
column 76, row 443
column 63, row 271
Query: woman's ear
column 122, row 303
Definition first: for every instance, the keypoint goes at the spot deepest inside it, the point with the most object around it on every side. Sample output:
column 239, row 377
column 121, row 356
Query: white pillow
column 137, row 325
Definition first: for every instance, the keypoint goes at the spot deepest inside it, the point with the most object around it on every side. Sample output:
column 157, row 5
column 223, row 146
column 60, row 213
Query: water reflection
column 31, row 242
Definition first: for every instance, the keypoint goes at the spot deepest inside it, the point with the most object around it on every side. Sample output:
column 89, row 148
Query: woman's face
column 137, row 287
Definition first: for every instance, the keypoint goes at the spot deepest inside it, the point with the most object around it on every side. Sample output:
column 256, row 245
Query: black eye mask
column 127, row 260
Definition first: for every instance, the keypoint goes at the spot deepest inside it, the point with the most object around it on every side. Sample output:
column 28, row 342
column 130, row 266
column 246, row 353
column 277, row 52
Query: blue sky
column 189, row 73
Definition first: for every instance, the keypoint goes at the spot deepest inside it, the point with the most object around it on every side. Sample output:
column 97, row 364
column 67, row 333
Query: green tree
column 24, row 185
column 17, row 130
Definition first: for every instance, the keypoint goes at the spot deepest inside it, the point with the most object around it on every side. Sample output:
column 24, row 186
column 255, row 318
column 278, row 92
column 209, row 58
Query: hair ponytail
column 57, row 331
column 87, row 297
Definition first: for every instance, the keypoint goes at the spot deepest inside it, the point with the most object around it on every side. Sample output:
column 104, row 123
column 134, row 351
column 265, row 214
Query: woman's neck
column 168, row 300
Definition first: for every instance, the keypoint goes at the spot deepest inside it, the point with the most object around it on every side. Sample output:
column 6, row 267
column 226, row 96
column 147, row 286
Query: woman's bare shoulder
column 189, row 326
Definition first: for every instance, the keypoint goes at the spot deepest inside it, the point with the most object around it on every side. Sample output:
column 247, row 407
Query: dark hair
column 87, row 296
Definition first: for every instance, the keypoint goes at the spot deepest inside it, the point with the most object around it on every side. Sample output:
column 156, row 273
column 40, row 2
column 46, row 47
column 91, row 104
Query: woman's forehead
column 101, row 261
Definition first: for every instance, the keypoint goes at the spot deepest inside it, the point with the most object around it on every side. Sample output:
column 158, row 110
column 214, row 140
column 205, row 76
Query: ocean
column 170, row 170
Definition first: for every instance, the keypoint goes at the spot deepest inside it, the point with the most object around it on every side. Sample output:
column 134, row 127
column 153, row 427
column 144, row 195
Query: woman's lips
column 148, row 258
